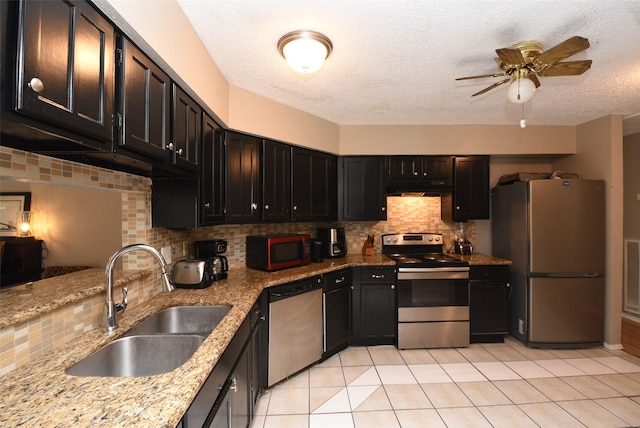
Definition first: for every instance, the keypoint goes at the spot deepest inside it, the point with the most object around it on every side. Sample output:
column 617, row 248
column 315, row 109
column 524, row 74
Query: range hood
column 433, row 188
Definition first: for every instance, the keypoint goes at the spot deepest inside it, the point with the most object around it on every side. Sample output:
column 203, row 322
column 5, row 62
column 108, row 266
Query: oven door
column 433, row 287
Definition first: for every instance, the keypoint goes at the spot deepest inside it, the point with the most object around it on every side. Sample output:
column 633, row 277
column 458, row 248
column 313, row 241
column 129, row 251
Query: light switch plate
column 166, row 253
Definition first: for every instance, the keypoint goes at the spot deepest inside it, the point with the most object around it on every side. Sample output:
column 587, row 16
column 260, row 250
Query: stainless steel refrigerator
column 553, row 232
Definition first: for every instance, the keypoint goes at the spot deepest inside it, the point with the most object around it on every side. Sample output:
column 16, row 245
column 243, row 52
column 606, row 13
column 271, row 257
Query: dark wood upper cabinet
column 469, row 199
column 65, row 66
column 276, row 181
column 144, row 103
column 242, row 163
column 362, row 183
column 213, row 172
column 430, row 170
column 186, row 130
column 314, row 185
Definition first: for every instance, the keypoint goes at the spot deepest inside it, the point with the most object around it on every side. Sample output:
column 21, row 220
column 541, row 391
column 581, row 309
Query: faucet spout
column 111, row 309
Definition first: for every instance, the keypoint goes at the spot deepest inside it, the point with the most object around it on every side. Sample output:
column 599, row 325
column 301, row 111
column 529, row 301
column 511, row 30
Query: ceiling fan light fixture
column 521, row 90
column 305, row 51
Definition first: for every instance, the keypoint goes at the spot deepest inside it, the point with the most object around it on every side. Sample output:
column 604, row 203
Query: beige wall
column 166, row 29
column 457, row 139
column 255, row 114
column 631, row 186
column 599, row 156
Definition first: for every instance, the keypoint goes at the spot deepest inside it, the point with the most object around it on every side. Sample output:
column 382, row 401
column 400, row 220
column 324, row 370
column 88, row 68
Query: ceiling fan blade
column 534, row 79
column 511, row 57
column 495, row 85
column 480, row 76
column 567, row 68
column 564, row 50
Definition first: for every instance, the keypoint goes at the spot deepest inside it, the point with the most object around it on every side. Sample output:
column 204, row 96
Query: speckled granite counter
column 41, row 394
column 481, row 259
column 27, row 301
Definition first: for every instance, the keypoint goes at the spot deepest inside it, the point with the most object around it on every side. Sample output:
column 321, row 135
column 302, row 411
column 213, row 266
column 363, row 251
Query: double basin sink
column 159, row 344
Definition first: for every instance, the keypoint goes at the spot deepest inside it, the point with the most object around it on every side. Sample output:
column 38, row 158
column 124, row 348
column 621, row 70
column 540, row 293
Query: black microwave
column 275, row 252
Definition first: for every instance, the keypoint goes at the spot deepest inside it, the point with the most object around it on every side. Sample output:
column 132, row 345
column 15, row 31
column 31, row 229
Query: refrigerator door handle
column 566, row 274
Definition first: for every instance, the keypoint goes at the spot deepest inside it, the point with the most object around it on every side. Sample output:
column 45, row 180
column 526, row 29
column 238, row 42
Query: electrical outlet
column 521, row 326
column 166, row 253
column 185, row 248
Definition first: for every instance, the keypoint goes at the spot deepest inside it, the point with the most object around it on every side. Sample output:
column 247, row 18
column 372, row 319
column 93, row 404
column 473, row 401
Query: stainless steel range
column 432, row 294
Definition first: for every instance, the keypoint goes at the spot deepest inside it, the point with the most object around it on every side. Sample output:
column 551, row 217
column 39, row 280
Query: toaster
column 192, row 274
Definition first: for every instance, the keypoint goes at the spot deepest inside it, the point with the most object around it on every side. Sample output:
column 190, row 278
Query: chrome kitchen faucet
column 111, row 309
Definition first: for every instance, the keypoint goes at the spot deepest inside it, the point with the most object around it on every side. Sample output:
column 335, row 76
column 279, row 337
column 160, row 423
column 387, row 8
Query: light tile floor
column 485, row 385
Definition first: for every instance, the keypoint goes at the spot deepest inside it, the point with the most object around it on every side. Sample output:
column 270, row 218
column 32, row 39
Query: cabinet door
column 144, row 104
column 362, row 185
column 337, row 319
column 314, row 190
column 489, row 308
column 436, row 167
column 276, row 181
column 212, row 178
column 239, row 393
column 378, row 316
column 471, row 188
column 186, row 128
column 404, row 168
column 65, row 67
column 242, row 194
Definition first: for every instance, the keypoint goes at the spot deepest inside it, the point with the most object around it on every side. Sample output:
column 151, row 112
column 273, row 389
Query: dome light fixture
column 521, row 89
column 305, row 51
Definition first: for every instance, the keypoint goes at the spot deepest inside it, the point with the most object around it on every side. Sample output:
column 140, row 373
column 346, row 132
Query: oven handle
column 433, row 273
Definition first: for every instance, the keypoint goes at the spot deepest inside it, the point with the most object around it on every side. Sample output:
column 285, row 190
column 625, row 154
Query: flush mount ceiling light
column 305, row 51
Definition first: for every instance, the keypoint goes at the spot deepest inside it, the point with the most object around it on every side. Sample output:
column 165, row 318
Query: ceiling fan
column 523, row 62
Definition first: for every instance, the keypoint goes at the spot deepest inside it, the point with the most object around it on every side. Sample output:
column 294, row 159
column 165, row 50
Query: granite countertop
column 41, row 394
column 480, row 259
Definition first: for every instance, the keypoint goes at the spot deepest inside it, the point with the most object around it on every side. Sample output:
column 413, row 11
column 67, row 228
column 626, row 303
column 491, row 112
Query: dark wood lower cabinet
column 375, row 312
column 336, row 300
column 489, row 303
column 228, row 395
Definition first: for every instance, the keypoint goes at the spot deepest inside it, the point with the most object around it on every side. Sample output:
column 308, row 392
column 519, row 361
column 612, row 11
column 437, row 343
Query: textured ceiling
column 395, row 62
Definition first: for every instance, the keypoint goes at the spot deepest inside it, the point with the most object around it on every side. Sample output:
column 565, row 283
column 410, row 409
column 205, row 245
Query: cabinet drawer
column 378, row 275
column 337, row 279
column 489, row 273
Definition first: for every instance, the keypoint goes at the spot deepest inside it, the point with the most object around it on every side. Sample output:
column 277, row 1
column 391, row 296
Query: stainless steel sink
column 199, row 320
column 138, row 356
column 159, row 344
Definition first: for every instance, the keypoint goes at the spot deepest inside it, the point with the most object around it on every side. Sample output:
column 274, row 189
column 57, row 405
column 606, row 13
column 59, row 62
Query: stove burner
column 418, row 250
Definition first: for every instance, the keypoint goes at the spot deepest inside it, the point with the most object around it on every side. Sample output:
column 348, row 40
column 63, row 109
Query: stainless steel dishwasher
column 295, row 327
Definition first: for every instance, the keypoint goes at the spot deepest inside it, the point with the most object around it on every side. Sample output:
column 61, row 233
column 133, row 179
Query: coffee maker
column 211, row 250
column 333, row 241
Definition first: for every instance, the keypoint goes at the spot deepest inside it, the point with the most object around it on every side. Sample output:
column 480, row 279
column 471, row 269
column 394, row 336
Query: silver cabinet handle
column 374, row 276
column 171, row 146
column 340, row 280
column 36, row 84
column 424, row 174
column 415, row 173
column 393, row 287
column 180, row 151
column 266, row 206
column 234, row 385
column 295, row 208
column 207, row 205
column 254, row 206
column 383, row 208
